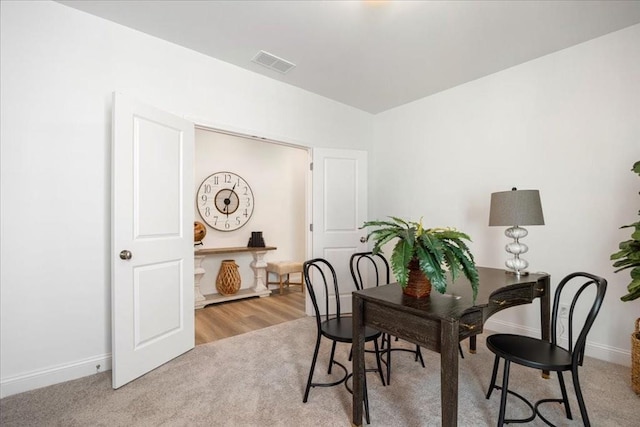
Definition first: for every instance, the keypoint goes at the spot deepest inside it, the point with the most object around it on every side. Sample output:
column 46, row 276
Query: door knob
column 125, row 254
column 363, row 239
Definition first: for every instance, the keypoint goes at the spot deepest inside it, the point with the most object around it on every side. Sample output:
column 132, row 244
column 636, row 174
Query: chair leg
column 388, row 359
column 419, row 355
column 583, row 408
column 460, row 350
column 565, row 399
column 503, row 398
column 375, row 344
column 384, row 347
column 333, row 352
column 313, row 366
column 280, row 278
column 493, row 377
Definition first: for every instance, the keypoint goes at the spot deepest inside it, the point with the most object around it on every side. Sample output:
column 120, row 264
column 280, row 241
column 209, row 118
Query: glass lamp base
column 516, row 265
column 516, row 273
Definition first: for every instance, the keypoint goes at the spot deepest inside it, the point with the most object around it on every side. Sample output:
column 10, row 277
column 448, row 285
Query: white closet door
column 152, row 238
column 339, row 209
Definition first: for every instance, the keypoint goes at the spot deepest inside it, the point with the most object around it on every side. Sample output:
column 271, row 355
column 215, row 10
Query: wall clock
column 225, row 201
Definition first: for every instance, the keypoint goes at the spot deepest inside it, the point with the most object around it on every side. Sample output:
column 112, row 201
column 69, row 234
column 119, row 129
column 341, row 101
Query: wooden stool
column 285, row 268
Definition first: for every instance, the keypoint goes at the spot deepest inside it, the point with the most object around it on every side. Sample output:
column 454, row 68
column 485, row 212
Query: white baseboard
column 54, row 375
column 597, row 351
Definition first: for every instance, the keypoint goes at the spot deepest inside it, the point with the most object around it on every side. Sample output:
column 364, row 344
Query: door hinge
column 311, row 166
column 311, row 227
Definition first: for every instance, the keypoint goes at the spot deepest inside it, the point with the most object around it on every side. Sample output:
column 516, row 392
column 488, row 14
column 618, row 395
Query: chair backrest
column 367, row 268
column 319, row 274
column 573, row 281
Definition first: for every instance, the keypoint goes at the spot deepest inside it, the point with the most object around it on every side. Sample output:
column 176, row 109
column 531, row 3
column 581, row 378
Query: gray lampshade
column 516, row 207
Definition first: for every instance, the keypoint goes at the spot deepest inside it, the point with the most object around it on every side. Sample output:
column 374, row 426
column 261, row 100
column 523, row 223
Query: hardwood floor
column 231, row 318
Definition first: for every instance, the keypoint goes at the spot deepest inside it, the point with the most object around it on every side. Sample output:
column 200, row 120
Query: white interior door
column 339, row 184
column 152, row 238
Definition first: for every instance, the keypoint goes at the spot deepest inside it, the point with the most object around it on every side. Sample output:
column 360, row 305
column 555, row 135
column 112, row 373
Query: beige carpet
column 258, row 379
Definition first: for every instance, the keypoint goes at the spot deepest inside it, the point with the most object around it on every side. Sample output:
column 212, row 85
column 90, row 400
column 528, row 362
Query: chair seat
column 531, row 352
column 342, row 330
column 284, row 267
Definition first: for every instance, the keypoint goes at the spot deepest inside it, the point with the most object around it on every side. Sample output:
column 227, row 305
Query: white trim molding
column 54, row 375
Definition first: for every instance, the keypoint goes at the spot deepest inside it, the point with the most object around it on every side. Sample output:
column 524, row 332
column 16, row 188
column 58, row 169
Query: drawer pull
column 469, row 326
column 500, row 302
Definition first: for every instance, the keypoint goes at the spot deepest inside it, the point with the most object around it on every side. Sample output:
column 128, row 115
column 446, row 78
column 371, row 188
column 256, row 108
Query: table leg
column 472, row 344
column 358, row 359
column 198, row 272
column 449, row 372
column 545, row 313
column 259, row 266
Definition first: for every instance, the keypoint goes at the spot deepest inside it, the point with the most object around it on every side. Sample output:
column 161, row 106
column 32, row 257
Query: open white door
column 152, row 239
column 339, row 209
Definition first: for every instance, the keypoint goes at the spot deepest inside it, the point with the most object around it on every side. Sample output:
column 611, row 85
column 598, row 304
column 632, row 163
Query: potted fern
column 421, row 257
column 629, row 257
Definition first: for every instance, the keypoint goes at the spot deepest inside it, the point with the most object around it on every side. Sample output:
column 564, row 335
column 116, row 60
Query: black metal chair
column 374, row 269
column 551, row 356
column 333, row 325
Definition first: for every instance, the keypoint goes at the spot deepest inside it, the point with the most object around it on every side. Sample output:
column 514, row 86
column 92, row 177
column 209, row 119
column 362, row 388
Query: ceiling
column 373, row 55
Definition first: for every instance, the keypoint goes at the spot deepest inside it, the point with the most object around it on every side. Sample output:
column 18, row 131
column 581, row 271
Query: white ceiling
column 373, row 55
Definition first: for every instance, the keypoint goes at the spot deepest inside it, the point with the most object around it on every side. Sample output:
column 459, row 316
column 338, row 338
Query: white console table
column 258, row 265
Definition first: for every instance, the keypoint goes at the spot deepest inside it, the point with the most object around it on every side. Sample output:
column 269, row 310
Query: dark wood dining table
column 440, row 321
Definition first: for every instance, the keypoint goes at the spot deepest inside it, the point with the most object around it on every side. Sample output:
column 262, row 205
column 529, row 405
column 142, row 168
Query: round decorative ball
column 199, row 231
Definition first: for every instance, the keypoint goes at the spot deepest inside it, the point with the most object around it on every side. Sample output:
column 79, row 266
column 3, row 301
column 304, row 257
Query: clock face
column 225, row 201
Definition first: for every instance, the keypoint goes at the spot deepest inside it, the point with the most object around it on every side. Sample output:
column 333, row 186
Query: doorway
column 278, row 175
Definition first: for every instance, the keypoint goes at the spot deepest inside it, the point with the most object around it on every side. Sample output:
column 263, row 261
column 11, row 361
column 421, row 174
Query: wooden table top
column 213, row 251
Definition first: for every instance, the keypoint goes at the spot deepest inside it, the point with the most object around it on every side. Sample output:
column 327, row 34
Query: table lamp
column 515, row 208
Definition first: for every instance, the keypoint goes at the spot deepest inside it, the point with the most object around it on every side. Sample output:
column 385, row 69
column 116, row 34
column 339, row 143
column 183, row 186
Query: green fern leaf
column 400, row 257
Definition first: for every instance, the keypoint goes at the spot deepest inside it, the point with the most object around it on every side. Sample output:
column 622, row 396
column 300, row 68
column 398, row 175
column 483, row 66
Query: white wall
column 277, row 176
column 567, row 124
column 59, row 67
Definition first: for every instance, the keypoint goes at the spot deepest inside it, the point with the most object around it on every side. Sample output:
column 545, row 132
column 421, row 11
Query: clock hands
column 227, row 201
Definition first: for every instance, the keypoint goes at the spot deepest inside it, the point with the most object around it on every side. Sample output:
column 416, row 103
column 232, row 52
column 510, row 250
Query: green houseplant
column 629, row 257
column 431, row 251
column 629, row 254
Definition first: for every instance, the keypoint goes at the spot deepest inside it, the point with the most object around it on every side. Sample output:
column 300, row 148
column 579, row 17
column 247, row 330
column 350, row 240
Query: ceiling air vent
column 273, row 62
